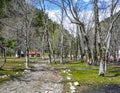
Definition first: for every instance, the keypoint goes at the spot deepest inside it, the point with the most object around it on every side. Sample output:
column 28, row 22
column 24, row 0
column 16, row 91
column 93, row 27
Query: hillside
column 13, row 27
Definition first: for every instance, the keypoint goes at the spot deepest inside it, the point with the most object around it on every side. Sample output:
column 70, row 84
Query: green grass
column 74, row 64
column 13, row 63
column 8, row 74
column 91, row 77
column 13, row 67
column 88, row 77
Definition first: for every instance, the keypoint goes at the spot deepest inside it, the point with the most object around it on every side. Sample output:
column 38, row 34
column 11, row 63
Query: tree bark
column 4, row 56
column 102, row 60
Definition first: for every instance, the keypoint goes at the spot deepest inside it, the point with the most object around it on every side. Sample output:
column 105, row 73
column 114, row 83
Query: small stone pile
column 69, row 78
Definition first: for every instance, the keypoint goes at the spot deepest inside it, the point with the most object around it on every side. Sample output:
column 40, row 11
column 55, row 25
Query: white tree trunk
column 26, row 64
column 103, row 68
column 61, row 58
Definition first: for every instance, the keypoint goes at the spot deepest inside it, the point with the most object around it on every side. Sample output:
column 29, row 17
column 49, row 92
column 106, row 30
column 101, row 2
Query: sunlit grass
column 87, row 75
column 74, row 64
column 13, row 67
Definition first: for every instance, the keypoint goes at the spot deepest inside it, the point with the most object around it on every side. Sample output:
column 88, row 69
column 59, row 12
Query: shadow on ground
column 112, row 88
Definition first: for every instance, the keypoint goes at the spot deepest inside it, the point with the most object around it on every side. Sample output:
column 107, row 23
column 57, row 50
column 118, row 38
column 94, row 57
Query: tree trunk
column 43, row 47
column 96, row 31
column 61, row 56
column 48, row 44
column 54, row 60
column 4, row 56
column 62, row 36
column 102, row 68
column 27, row 52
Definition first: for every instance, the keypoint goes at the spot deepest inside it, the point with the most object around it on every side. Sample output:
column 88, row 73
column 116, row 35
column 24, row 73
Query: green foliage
column 3, row 6
column 2, row 39
column 11, row 44
column 39, row 19
column 8, row 43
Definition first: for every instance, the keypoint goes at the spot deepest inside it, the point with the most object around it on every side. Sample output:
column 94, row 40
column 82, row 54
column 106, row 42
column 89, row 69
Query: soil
column 41, row 79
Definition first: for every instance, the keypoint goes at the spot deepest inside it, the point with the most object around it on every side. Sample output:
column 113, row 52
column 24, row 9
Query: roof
column 34, row 53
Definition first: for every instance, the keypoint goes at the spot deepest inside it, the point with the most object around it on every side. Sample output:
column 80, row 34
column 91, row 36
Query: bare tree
column 71, row 10
column 83, row 39
column 27, row 12
column 103, row 45
column 4, row 55
column 22, row 13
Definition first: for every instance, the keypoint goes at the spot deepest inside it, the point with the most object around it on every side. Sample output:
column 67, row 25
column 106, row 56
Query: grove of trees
column 25, row 27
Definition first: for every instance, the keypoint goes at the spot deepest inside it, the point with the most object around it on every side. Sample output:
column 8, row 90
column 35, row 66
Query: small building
column 34, row 54
column 19, row 53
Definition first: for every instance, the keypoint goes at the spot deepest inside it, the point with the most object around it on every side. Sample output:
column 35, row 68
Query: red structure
column 34, row 54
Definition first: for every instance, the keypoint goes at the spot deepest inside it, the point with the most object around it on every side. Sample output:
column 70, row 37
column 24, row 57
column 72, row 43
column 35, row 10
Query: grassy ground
column 88, row 77
column 13, row 67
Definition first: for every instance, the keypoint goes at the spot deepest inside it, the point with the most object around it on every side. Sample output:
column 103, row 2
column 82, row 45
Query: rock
column 64, row 71
column 68, row 70
column 73, row 91
column 76, row 83
column 72, row 87
column 46, row 91
column 26, row 70
column 68, row 78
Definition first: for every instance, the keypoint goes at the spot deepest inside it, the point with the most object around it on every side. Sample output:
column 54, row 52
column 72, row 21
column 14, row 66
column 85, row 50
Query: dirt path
column 42, row 79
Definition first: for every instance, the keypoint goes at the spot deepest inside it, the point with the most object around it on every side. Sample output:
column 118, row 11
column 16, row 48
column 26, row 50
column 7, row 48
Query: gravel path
column 42, row 79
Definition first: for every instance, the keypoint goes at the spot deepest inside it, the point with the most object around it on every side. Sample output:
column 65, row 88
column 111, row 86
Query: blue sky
column 86, row 11
column 86, row 5
column 55, row 7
